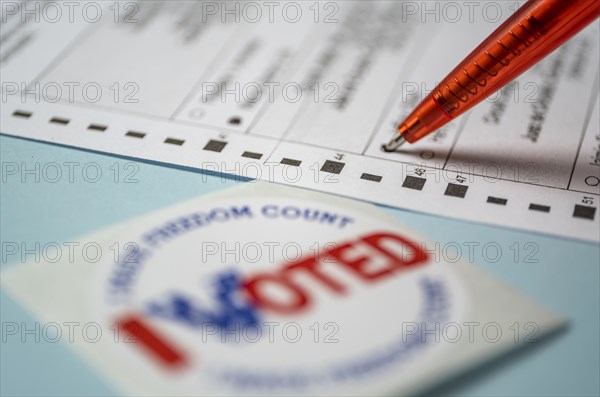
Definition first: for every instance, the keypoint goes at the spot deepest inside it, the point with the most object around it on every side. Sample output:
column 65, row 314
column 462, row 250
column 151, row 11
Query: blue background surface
column 566, row 277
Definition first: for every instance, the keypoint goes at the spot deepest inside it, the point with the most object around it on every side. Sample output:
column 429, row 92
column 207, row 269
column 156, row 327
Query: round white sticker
column 277, row 295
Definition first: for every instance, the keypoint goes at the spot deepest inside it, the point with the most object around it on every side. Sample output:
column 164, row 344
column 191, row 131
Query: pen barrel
column 534, row 31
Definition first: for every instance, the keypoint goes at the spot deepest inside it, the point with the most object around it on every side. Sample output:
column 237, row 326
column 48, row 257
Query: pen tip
column 394, row 144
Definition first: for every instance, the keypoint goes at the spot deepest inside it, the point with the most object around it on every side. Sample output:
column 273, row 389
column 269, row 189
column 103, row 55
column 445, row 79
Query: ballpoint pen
column 534, row 31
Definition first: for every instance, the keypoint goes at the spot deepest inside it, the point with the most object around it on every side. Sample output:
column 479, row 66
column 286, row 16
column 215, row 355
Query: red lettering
column 255, row 287
column 359, row 265
column 419, row 256
column 363, row 265
column 153, row 342
column 310, row 266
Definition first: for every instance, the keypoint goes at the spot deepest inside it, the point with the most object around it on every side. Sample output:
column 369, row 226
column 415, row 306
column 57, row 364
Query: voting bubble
column 592, row 181
column 427, row 154
column 197, row 113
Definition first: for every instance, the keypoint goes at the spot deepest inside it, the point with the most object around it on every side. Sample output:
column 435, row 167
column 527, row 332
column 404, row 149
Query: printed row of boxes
column 332, row 167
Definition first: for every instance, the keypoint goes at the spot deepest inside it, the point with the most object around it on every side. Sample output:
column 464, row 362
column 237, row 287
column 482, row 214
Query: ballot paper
column 305, row 94
column 267, row 290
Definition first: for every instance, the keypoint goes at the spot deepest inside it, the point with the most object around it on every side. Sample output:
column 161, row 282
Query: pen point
column 394, row 144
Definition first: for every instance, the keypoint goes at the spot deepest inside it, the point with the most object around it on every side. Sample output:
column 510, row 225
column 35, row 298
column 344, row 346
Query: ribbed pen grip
column 537, row 28
column 478, row 77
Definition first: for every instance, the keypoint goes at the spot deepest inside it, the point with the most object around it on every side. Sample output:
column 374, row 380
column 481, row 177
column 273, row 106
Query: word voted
column 241, row 299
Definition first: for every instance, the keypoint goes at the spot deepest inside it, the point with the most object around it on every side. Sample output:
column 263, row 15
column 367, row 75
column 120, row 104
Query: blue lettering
column 231, row 310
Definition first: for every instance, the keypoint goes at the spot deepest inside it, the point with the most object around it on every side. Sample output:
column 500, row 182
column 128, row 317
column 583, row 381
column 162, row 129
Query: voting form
column 305, row 93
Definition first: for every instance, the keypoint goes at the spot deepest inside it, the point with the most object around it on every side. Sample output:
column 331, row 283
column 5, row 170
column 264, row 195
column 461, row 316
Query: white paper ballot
column 326, row 296
column 305, row 93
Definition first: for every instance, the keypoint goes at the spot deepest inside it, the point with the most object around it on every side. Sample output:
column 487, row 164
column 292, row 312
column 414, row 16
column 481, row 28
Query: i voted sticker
column 276, row 295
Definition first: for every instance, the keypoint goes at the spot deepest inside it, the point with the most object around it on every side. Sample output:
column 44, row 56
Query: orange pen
column 534, row 31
